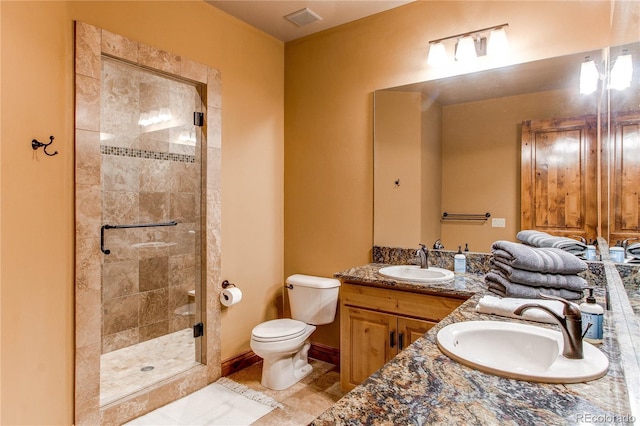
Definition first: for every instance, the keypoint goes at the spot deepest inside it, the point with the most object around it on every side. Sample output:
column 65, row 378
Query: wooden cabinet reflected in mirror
column 624, row 221
column 559, row 179
column 559, row 176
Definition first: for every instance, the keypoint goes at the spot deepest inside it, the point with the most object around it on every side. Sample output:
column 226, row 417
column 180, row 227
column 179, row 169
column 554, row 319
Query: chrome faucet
column 438, row 245
column 570, row 325
column 423, row 255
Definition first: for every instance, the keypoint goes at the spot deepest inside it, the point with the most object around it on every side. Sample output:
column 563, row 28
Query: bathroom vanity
column 377, row 323
column 422, row 385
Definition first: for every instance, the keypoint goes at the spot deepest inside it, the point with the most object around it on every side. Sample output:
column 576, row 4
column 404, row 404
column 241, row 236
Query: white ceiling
column 269, row 16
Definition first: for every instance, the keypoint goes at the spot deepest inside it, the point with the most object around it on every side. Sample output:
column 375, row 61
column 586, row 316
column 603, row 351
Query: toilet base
column 284, row 370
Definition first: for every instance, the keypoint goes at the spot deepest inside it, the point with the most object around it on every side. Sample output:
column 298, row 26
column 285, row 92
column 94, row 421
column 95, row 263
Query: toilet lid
column 279, row 329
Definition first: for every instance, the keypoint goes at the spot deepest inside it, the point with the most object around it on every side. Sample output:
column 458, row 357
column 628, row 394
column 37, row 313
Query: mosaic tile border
column 142, row 153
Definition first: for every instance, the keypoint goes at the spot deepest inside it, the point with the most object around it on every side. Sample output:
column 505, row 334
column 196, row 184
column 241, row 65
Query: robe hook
column 35, row 144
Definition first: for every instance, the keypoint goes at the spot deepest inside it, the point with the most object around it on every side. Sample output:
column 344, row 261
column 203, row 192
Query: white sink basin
column 415, row 273
column 519, row 351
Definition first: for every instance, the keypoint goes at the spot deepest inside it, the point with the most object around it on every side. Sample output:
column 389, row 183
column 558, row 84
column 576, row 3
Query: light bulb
column 498, row 43
column 437, row 54
column 466, row 49
column 589, row 77
column 622, row 72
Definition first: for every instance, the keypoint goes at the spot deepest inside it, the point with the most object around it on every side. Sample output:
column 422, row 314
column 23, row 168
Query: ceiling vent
column 303, row 17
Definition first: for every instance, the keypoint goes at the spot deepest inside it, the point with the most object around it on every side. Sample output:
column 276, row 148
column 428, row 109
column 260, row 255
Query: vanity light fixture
column 619, row 78
column 470, row 45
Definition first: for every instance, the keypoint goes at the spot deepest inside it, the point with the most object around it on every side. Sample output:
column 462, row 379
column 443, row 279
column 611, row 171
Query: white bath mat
column 249, row 393
column 224, row 402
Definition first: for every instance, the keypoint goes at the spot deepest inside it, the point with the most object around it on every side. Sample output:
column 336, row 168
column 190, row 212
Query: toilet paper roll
column 230, row 296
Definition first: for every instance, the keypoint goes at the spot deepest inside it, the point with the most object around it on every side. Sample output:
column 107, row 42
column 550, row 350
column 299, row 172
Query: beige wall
column 481, row 161
column 328, row 166
column 431, row 164
column 396, row 158
column 37, row 192
column 408, row 149
column 329, row 82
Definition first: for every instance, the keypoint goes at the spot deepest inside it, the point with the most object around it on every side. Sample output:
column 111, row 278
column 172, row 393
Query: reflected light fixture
column 470, row 45
column 622, row 72
column 589, row 76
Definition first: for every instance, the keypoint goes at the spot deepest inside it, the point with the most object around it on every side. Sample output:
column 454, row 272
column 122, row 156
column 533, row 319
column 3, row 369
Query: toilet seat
column 278, row 330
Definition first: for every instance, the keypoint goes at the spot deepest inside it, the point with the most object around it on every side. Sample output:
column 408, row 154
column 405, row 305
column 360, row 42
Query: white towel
column 505, row 307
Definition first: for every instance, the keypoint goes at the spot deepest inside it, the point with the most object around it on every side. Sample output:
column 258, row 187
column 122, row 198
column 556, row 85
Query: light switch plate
column 498, row 222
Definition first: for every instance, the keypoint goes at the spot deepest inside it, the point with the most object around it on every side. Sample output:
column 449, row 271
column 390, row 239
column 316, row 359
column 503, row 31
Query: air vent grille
column 303, row 17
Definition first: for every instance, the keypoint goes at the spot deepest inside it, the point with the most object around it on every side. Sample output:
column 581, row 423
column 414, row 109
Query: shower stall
column 150, row 239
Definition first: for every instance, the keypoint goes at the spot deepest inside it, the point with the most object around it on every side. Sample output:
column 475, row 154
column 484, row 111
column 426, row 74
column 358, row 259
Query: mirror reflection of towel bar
column 460, row 216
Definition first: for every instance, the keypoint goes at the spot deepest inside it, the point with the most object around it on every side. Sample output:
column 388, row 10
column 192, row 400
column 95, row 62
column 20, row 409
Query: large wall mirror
column 454, row 145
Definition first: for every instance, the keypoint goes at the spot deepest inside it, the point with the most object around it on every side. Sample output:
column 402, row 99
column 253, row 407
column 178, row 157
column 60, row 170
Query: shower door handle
column 134, row 225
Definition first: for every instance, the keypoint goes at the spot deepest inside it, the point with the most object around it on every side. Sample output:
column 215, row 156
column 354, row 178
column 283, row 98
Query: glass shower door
column 151, row 227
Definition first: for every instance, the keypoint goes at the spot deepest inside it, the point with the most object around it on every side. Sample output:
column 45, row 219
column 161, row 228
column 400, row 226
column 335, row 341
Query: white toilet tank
column 313, row 300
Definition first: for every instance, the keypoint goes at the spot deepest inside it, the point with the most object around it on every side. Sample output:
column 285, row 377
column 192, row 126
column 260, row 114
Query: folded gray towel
column 539, row 279
column 634, row 250
column 505, row 288
column 530, row 236
column 548, row 259
column 542, row 239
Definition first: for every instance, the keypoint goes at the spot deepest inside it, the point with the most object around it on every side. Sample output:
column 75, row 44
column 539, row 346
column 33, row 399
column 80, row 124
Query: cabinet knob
column 392, row 339
column 400, row 341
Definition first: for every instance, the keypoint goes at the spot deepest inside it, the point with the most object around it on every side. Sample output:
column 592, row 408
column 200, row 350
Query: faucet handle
column 422, row 246
column 571, row 310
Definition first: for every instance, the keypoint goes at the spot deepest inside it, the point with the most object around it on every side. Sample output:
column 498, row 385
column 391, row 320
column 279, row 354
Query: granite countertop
column 421, row 385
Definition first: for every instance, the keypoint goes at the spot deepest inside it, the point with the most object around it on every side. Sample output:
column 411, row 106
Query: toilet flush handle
column 289, row 286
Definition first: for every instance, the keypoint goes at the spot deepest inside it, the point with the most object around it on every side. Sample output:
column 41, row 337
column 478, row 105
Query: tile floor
column 301, row 403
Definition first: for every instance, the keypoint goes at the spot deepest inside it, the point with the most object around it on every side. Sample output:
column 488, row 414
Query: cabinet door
column 625, row 177
column 410, row 330
column 558, row 176
column 368, row 341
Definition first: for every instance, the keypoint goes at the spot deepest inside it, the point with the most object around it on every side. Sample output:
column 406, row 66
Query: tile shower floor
column 128, row 370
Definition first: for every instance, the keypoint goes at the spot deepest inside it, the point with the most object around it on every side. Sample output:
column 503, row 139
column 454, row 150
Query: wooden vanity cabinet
column 377, row 323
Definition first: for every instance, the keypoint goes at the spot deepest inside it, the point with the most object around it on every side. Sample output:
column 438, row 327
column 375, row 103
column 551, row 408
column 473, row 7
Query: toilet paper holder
column 226, row 284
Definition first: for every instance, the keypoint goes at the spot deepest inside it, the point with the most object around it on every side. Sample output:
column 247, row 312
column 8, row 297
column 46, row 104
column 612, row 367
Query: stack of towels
column 542, row 239
column 633, row 250
column 521, row 271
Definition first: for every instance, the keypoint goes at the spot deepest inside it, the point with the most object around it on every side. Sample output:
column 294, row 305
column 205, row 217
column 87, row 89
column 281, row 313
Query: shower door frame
column 91, row 44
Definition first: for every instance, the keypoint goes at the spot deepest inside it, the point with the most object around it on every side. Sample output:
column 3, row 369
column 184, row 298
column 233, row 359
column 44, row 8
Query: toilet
column 284, row 344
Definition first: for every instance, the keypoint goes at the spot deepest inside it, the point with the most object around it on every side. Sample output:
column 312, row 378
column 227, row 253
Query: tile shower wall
column 149, row 175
